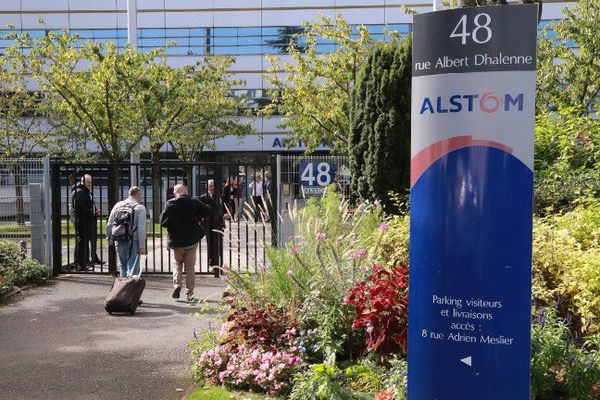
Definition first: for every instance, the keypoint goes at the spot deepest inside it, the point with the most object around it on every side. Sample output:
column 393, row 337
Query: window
column 222, row 40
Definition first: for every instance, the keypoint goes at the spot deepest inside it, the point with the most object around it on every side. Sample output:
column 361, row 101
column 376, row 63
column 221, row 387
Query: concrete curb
column 14, row 292
column 189, row 391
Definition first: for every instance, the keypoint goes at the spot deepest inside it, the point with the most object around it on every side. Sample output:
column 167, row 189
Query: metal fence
column 24, row 205
column 249, row 229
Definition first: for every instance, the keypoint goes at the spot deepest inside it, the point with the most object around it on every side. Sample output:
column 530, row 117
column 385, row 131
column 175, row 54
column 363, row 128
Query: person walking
column 257, row 196
column 181, row 216
column 268, row 196
column 83, row 216
column 238, row 194
column 126, row 228
column 228, row 197
column 214, row 223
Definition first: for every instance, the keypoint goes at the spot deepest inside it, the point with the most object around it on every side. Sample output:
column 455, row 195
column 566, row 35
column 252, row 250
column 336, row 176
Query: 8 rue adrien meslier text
column 483, row 59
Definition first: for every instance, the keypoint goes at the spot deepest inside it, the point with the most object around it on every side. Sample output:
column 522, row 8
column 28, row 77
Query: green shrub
column 583, row 223
column 321, row 382
column 367, row 376
column 396, row 378
column 567, row 159
column 560, row 188
column 16, row 270
column 30, row 271
column 562, row 368
column 566, row 266
column 333, row 249
column 392, row 247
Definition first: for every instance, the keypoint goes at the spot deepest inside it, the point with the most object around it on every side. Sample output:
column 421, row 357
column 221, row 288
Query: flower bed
column 328, row 319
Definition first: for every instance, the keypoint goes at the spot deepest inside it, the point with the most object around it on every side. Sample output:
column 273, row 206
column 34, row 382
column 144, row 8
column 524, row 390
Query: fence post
column 36, row 219
column 47, row 201
column 275, row 164
column 113, row 198
column 56, row 219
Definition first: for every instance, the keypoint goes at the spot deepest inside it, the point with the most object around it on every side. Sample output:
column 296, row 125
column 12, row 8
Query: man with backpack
column 181, row 217
column 126, row 228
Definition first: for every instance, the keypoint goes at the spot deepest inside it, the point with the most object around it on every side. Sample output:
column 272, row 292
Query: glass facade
column 216, row 40
column 209, row 40
column 227, row 41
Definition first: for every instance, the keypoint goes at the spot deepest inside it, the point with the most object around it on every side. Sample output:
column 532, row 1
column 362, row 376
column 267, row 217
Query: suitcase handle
column 139, row 275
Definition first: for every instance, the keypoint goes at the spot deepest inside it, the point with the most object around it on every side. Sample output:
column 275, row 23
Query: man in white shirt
column 257, row 196
column 126, row 228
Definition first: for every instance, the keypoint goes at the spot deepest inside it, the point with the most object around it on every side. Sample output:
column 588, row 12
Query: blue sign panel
column 314, row 176
column 471, row 204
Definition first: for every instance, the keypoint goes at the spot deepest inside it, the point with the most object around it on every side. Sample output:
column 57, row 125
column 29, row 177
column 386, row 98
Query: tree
column 94, row 92
column 569, row 60
column 207, row 111
column 313, row 91
column 21, row 129
column 116, row 98
column 189, row 107
column 289, row 36
column 380, row 124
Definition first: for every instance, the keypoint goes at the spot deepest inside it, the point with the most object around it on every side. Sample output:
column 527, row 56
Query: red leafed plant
column 381, row 304
column 260, row 324
column 387, row 395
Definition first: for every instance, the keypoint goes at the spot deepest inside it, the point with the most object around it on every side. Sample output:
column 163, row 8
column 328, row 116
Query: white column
column 132, row 23
column 437, row 5
column 134, row 157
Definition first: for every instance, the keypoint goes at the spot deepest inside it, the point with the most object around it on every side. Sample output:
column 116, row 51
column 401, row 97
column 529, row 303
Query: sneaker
column 191, row 298
column 176, row 292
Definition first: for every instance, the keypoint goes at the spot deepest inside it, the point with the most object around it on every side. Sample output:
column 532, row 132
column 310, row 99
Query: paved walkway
column 57, row 342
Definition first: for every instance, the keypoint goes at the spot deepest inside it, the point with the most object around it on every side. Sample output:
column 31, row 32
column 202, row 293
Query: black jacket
column 181, row 217
column 82, row 206
column 228, row 193
column 215, row 219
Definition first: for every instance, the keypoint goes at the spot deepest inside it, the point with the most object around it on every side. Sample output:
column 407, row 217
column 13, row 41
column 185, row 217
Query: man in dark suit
column 214, row 222
column 83, row 215
column 93, row 228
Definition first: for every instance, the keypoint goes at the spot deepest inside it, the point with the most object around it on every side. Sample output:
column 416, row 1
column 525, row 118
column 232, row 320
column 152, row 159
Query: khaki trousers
column 185, row 257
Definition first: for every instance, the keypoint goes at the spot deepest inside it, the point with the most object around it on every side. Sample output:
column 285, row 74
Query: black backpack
column 122, row 230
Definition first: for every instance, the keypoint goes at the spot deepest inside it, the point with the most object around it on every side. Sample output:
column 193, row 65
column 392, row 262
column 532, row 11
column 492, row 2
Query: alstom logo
column 488, row 102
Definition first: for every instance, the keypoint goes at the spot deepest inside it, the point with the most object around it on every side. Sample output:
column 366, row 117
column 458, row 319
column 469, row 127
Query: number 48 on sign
column 316, row 173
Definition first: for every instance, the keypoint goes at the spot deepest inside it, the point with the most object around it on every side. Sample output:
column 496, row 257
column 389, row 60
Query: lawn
column 219, row 393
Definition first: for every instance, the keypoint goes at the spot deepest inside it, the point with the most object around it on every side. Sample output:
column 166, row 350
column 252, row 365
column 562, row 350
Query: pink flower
column 290, row 272
column 384, row 227
column 360, row 253
column 321, row 236
column 294, row 250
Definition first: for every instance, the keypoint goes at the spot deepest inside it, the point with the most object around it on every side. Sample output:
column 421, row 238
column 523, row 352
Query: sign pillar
column 473, row 114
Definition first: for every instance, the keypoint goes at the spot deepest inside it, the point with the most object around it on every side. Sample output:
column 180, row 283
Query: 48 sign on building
column 473, row 106
column 315, row 176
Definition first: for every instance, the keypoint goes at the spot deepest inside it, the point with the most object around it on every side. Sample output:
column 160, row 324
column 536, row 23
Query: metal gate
column 249, row 229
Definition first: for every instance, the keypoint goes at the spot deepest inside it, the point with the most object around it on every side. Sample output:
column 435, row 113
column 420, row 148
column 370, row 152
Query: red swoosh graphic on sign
column 423, row 159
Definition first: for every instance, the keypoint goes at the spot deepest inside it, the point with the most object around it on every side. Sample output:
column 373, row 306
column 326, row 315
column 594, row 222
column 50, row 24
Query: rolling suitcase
column 125, row 294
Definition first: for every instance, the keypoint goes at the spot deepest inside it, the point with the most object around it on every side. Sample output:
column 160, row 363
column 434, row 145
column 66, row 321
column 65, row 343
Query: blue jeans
column 127, row 254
